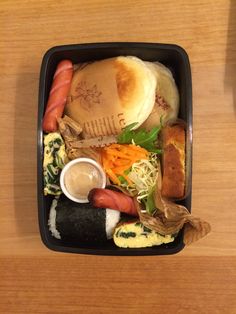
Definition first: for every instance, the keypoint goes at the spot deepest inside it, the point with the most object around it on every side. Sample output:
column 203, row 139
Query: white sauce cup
column 67, row 168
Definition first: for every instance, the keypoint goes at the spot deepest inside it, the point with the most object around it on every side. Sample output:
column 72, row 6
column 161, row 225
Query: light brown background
column 200, row 279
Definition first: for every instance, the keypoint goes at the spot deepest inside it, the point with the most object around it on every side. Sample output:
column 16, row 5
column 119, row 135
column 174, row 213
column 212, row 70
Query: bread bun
column 109, row 94
column 167, row 96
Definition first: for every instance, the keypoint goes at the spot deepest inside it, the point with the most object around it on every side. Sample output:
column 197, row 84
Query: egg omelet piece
column 136, row 235
column 55, row 159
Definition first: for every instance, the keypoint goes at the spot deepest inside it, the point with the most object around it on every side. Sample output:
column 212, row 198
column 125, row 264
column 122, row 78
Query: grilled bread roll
column 109, row 94
column 173, row 183
column 167, row 96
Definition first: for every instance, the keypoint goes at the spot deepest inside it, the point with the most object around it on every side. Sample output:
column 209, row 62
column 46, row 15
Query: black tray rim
column 41, row 99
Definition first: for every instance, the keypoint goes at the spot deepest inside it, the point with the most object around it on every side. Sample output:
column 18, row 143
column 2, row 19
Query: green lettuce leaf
column 141, row 137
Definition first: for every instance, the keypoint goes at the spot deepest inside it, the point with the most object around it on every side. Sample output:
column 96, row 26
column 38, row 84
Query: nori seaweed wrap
column 81, row 222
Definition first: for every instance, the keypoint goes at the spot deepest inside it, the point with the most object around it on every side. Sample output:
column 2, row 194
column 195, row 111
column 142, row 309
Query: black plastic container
column 176, row 59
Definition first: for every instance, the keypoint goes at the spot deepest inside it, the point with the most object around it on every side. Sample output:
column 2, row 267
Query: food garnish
column 141, row 137
column 143, row 175
column 117, row 159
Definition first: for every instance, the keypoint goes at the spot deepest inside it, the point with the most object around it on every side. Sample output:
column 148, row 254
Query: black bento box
column 176, row 59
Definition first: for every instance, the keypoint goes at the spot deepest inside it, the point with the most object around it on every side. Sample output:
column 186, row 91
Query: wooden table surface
column 200, row 279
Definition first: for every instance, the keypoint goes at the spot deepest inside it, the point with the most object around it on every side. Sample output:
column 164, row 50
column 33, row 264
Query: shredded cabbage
column 144, row 175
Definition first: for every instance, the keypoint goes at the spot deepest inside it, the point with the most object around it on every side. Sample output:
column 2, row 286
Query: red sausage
column 104, row 198
column 58, row 94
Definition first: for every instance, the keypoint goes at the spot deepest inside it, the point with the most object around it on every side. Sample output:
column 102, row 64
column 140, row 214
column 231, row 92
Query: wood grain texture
column 201, row 279
column 149, row 286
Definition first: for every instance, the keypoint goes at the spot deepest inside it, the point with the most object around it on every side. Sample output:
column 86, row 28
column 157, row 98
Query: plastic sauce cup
column 79, row 176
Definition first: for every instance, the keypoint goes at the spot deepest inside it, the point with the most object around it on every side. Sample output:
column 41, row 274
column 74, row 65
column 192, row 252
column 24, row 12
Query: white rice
column 112, row 218
column 52, row 220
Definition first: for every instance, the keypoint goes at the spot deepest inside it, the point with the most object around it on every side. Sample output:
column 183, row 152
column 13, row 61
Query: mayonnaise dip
column 80, row 176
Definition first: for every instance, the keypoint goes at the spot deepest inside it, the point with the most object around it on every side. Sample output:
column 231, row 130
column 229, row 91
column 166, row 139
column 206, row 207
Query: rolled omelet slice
column 136, row 235
column 55, row 158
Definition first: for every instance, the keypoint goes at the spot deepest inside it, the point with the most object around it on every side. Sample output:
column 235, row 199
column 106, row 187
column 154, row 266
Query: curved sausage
column 58, row 94
column 104, row 198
